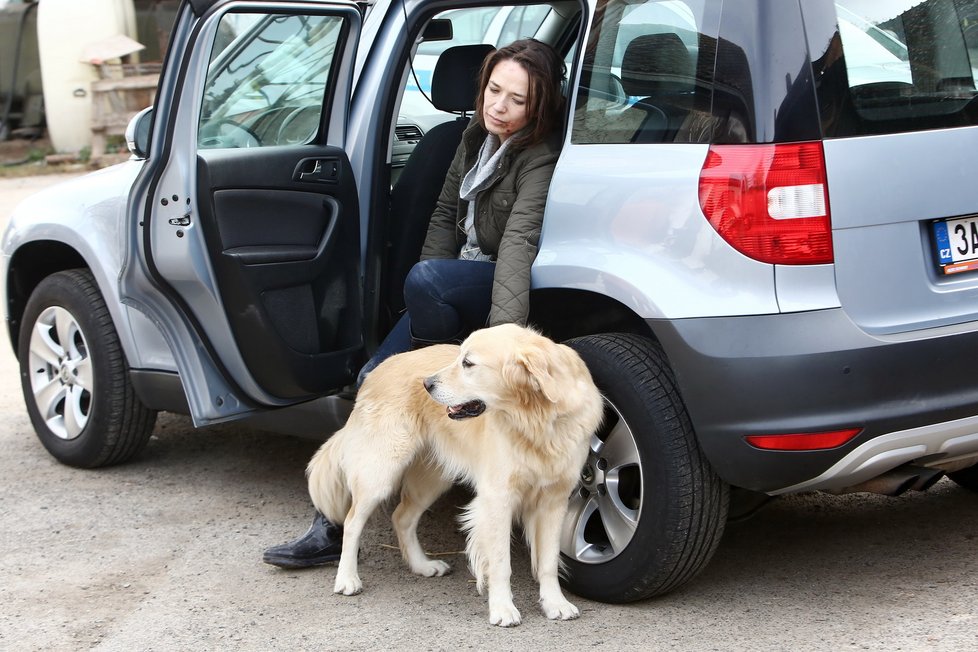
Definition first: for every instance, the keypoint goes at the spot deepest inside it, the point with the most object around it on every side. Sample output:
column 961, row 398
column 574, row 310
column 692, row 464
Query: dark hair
column 544, row 101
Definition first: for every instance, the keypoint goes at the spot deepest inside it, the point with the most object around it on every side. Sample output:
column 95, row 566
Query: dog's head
column 510, row 368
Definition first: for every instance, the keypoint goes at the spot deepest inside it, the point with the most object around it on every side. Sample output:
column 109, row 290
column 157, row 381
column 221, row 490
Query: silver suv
column 762, row 235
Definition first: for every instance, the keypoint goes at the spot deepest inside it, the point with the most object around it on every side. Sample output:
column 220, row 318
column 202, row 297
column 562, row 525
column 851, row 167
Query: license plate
column 957, row 244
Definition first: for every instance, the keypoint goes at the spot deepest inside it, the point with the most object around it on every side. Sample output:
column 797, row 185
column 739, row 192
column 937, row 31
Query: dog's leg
column 367, row 491
column 347, row 578
column 489, row 519
column 423, row 484
column 543, row 534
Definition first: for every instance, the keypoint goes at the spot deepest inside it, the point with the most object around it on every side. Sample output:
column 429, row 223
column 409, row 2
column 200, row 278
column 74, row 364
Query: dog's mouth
column 466, row 410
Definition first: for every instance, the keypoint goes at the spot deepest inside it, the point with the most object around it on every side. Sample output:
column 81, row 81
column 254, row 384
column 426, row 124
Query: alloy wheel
column 604, row 511
column 61, row 373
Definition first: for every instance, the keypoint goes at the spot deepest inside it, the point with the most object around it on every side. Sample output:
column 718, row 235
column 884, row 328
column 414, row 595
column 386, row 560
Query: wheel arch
column 563, row 313
column 34, row 260
column 28, row 266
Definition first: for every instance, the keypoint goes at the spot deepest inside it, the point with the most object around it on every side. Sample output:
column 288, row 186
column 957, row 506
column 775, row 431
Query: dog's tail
column 328, row 487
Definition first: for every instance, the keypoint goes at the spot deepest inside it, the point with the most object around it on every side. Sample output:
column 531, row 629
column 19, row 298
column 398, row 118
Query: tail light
column 803, row 441
column 770, row 202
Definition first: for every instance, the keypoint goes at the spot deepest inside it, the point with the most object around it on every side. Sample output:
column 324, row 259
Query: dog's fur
column 521, row 410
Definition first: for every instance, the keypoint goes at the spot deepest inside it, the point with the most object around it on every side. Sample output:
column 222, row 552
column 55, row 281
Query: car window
column 498, row 25
column 908, row 65
column 266, row 81
column 522, row 22
column 646, row 77
column 469, row 26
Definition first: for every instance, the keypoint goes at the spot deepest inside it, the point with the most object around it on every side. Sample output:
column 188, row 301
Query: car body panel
column 814, row 372
column 88, row 215
column 886, row 272
column 802, row 288
column 625, row 222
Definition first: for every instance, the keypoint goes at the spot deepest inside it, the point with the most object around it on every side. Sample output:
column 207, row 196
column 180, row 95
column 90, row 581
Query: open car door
column 245, row 223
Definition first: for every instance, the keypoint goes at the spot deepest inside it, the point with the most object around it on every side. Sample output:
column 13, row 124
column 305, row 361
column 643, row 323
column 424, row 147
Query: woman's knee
column 422, row 278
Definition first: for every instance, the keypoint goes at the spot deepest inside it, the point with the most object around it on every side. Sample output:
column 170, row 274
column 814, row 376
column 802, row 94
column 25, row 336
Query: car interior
column 419, row 167
column 416, row 188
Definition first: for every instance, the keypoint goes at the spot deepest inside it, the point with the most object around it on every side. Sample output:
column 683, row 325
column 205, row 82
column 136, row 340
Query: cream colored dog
column 520, row 413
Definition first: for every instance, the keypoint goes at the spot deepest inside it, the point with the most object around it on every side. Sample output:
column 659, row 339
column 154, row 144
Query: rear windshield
column 900, row 65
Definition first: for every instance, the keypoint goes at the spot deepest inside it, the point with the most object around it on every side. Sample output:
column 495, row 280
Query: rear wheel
column 75, row 378
column 650, row 510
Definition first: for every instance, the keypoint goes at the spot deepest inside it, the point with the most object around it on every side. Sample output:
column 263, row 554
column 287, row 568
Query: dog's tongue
column 466, row 410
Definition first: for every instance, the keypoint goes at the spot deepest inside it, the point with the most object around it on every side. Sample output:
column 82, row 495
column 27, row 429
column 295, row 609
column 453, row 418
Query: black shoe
column 321, row 544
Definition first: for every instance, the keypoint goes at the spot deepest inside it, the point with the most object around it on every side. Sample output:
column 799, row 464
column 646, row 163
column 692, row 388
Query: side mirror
column 138, row 131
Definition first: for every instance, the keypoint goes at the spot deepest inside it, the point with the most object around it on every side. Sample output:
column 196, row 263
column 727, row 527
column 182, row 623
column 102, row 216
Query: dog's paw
column 559, row 610
column 432, row 568
column 505, row 615
column 347, row 585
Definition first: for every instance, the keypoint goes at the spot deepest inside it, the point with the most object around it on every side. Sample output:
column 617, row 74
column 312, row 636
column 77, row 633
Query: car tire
column 966, row 478
column 78, row 392
column 650, row 510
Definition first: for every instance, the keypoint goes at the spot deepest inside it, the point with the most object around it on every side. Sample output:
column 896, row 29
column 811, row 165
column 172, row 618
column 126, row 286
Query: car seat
column 454, row 88
column 658, row 69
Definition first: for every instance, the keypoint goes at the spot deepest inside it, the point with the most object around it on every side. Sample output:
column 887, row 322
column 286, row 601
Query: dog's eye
column 467, row 364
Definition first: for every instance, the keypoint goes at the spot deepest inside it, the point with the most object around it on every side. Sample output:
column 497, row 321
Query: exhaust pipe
column 928, row 478
column 897, row 481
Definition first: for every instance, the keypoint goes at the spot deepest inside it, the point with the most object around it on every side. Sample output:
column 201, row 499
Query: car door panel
column 284, row 256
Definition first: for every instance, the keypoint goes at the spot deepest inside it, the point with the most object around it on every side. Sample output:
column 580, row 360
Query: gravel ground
column 164, row 554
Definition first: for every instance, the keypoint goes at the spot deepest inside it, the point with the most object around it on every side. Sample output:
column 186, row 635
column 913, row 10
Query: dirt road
column 164, row 554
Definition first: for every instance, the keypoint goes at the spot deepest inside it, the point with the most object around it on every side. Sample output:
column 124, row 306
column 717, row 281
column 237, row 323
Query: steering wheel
column 303, row 132
column 225, row 132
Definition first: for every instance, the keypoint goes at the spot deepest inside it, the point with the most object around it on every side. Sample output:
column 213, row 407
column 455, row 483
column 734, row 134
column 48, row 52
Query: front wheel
column 649, row 511
column 75, row 378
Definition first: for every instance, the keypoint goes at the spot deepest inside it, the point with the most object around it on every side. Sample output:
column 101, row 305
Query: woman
column 483, row 234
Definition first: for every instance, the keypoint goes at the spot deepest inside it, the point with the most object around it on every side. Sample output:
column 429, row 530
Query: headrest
column 655, row 63
column 455, row 79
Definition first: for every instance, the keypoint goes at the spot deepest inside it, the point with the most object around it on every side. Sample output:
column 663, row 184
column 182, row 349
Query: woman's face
column 504, row 109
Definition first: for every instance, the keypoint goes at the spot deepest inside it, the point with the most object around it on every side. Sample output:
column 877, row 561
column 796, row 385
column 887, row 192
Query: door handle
column 317, row 170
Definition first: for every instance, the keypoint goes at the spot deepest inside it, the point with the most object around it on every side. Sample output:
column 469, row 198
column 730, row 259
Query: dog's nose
column 429, row 383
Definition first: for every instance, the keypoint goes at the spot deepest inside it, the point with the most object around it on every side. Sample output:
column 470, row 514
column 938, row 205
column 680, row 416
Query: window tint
column 905, row 65
column 267, row 79
column 647, row 74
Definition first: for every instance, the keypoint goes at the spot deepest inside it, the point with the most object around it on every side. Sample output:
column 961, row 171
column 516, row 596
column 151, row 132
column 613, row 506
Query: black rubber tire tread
column 681, row 525
column 966, row 478
column 119, row 424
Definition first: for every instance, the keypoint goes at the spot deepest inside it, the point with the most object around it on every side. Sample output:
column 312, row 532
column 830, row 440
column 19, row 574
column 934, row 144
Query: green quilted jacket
column 508, row 218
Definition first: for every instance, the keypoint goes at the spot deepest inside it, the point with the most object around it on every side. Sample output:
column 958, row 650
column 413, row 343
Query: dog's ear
column 538, row 367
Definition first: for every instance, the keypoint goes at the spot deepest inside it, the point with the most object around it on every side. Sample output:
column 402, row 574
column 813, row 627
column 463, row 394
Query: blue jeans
column 446, row 299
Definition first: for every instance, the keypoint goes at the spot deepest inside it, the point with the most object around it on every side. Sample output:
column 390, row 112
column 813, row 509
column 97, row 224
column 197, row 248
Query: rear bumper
column 916, row 399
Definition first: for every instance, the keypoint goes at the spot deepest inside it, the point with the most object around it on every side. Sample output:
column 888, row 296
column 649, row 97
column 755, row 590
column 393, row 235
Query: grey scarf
column 475, row 181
